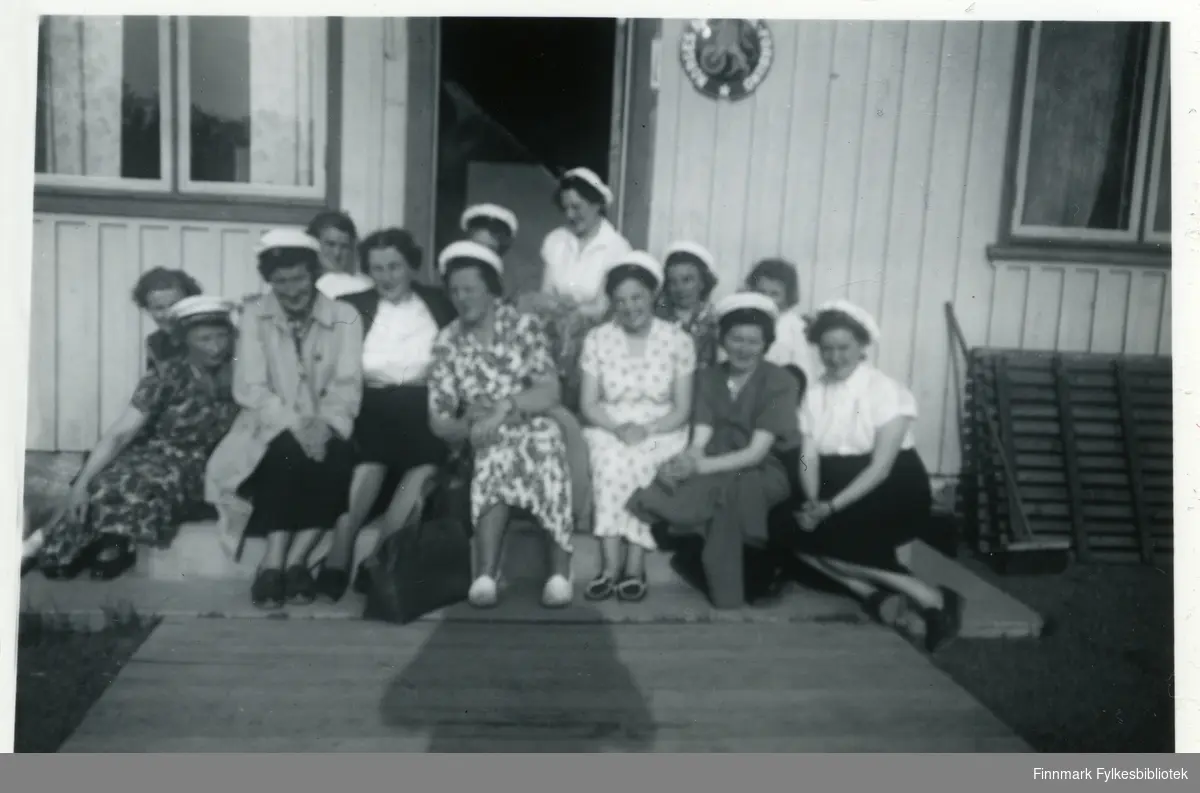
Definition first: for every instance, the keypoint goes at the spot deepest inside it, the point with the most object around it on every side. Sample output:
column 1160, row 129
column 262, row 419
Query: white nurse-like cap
column 751, row 301
column 856, row 313
column 589, row 177
column 642, row 261
column 286, row 238
column 197, row 308
column 685, row 248
column 465, row 249
column 491, row 212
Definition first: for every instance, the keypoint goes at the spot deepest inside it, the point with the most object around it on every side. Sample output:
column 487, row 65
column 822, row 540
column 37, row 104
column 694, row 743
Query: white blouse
column 843, row 417
column 334, row 284
column 577, row 272
column 398, row 348
column 791, row 347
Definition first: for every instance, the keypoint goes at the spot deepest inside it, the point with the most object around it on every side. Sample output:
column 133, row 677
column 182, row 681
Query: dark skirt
column 291, row 492
column 869, row 531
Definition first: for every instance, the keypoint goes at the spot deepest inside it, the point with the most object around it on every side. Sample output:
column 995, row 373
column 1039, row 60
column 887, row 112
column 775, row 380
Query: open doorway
column 522, row 100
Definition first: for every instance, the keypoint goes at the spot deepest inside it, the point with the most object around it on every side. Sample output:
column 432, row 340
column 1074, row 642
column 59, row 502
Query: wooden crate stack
column 1089, row 438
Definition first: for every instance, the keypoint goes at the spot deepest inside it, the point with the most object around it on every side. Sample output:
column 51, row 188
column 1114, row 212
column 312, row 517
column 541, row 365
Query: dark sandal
column 632, row 589
column 267, row 591
column 601, row 587
column 362, row 580
column 298, row 585
column 332, row 583
column 111, row 558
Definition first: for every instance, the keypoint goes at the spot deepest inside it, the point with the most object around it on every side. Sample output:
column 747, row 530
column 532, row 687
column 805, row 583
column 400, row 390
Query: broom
column 1024, row 553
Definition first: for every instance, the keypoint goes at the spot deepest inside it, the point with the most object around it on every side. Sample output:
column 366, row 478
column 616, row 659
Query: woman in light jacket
column 284, row 469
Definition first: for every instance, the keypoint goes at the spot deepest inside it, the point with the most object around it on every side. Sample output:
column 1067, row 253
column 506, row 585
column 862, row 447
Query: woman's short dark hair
column 160, row 279
column 826, row 321
column 747, row 316
column 332, row 219
column 780, row 270
column 490, row 277
column 708, row 281
column 494, row 226
column 585, row 190
column 269, row 261
column 624, row 272
column 396, row 238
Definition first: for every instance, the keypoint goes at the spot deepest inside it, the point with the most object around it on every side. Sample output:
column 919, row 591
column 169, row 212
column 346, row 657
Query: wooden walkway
column 325, row 686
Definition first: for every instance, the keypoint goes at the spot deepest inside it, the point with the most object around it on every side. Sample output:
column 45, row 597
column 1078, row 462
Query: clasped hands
column 678, row 469
column 484, row 420
column 313, row 434
column 813, row 513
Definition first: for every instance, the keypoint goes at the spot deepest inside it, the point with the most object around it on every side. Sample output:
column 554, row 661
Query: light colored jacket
column 277, row 390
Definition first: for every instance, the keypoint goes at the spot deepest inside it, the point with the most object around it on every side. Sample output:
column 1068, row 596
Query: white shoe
column 558, row 592
column 483, row 593
column 33, row 544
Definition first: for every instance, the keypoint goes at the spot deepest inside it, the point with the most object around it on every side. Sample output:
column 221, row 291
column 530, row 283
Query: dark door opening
column 521, row 101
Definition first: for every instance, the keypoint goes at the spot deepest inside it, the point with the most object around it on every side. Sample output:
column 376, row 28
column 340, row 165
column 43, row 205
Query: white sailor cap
column 694, row 249
column 491, row 212
column 589, row 177
column 466, row 249
column 856, row 313
column 286, row 238
column 200, row 308
column 643, row 261
column 752, row 301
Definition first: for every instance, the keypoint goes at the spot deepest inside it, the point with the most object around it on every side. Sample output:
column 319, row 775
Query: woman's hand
column 313, row 435
column 814, row 514
column 679, row 468
column 75, row 506
column 485, row 431
column 480, row 410
column 631, row 434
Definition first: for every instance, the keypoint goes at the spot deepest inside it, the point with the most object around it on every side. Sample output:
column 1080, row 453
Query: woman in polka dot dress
column 636, row 395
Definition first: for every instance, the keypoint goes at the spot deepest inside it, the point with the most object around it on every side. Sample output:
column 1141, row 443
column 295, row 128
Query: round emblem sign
column 726, row 58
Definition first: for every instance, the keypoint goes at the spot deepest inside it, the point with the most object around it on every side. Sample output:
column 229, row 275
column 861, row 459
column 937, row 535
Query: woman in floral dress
column 636, row 396
column 149, row 467
column 491, row 383
column 685, row 299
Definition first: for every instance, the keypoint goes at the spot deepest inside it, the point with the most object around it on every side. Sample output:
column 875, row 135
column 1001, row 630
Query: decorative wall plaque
column 726, row 58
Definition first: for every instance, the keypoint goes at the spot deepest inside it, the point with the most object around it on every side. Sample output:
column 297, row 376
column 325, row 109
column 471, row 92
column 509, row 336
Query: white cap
column 286, row 238
column 642, row 261
column 691, row 249
column 856, row 313
column 747, row 300
column 588, row 176
column 466, row 249
column 493, row 212
column 197, row 307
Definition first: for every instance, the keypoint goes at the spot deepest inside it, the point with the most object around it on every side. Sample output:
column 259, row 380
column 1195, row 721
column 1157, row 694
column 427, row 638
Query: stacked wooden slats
column 1090, row 441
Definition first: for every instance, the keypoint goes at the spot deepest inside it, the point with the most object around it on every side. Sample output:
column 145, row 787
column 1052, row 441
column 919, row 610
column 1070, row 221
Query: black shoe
column 876, row 606
column 111, row 558
column 299, row 589
column 267, row 591
column 332, row 583
column 943, row 625
column 362, row 580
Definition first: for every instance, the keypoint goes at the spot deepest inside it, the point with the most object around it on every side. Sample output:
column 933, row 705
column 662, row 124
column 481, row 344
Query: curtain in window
column 283, row 86
column 82, row 89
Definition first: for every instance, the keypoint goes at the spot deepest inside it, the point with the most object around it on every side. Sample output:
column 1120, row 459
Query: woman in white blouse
column 776, row 278
column 395, row 448
column 864, row 487
column 575, row 257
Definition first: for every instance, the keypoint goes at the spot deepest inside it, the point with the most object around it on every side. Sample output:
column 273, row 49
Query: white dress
column 791, row 347
column 637, row 389
column 577, row 271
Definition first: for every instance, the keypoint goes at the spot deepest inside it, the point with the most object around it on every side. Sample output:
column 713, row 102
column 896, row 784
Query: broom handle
column 1021, row 523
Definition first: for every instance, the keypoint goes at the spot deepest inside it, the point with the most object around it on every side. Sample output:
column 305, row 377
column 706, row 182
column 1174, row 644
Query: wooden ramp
column 330, row 686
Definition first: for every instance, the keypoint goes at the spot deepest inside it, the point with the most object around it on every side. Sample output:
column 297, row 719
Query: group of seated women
column 621, row 400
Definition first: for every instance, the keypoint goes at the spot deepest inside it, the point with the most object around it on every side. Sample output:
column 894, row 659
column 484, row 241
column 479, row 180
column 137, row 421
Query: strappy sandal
column 299, row 587
column 632, row 589
column 601, row 587
column 111, row 558
column 267, row 591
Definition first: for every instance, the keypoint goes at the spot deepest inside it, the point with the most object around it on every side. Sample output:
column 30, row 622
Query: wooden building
column 902, row 165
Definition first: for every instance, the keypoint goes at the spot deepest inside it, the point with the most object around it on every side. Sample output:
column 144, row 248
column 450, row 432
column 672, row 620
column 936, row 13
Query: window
column 233, row 106
column 1093, row 160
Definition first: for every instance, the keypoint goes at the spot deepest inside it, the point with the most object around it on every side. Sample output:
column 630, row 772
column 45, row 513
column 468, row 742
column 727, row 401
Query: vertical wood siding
column 873, row 156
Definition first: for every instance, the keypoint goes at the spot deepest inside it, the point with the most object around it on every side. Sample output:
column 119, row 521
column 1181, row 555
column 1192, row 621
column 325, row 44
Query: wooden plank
column 201, row 256
column 1112, row 308
column 1043, row 313
column 1147, row 293
column 729, row 188
column 42, row 410
column 1078, row 309
column 78, row 335
column 1133, row 453
column 1008, row 306
column 121, row 346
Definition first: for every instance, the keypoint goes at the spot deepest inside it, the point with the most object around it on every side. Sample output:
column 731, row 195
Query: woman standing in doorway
column 576, row 256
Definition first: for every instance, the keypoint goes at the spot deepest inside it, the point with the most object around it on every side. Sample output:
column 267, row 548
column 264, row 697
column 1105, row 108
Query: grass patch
column 63, row 668
column 1099, row 680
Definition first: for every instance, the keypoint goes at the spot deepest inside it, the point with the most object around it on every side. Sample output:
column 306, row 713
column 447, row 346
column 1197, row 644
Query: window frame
column 1018, row 242
column 164, row 185
column 1162, row 123
column 85, row 197
column 185, row 185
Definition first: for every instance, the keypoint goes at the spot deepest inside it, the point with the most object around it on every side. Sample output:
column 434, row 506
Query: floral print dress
column 526, row 467
column 702, row 327
column 634, row 389
column 143, row 491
